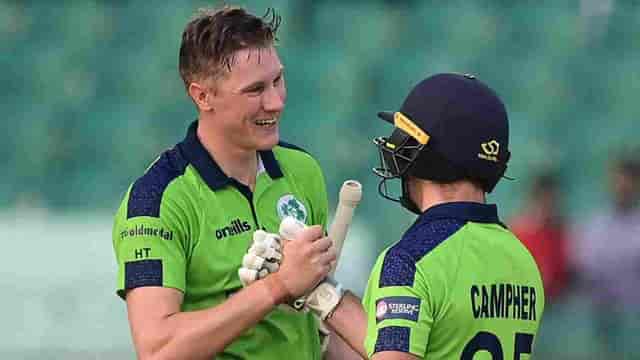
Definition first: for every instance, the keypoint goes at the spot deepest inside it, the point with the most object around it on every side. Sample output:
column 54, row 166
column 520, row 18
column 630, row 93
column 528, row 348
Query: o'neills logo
column 142, row 230
column 236, row 227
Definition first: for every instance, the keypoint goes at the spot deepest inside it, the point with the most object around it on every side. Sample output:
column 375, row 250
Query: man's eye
column 255, row 90
column 277, row 80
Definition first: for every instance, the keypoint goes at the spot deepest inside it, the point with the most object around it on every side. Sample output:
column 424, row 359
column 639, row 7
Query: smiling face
column 247, row 102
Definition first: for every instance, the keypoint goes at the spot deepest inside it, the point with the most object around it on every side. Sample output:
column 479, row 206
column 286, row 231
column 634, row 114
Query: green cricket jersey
column 184, row 224
column 458, row 285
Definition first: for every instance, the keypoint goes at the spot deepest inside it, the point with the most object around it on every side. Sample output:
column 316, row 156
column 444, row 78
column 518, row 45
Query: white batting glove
column 325, row 297
column 262, row 258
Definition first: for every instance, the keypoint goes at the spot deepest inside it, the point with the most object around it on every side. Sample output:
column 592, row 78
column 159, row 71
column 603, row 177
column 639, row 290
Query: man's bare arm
column 161, row 331
column 338, row 349
column 393, row 355
column 350, row 322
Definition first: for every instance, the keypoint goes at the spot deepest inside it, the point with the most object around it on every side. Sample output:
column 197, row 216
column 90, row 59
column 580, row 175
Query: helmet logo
column 288, row 205
column 490, row 151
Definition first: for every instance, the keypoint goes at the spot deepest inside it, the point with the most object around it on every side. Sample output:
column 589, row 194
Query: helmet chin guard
column 397, row 155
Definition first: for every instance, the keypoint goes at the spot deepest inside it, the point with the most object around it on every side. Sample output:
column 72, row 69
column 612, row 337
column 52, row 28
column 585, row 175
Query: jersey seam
column 184, row 222
column 200, row 187
column 190, row 240
column 447, row 299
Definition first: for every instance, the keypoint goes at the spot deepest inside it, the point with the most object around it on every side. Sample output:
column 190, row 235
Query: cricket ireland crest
column 288, row 205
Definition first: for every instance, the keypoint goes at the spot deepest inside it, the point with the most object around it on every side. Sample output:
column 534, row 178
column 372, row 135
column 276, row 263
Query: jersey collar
column 209, row 170
column 464, row 211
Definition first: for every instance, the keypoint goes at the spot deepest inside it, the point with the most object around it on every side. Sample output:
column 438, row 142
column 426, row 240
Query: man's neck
column 240, row 164
column 429, row 193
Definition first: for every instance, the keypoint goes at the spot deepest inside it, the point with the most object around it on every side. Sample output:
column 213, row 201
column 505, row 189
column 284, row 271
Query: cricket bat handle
column 348, row 199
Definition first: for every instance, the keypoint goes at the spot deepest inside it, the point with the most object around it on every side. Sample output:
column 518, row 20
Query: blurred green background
column 91, row 95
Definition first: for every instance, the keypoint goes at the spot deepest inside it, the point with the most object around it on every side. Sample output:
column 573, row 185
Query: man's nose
column 273, row 100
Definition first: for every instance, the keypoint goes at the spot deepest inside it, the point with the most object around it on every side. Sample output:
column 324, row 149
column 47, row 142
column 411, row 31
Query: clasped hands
column 297, row 261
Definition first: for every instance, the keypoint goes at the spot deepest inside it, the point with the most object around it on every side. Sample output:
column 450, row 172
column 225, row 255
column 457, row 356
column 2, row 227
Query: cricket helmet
column 450, row 127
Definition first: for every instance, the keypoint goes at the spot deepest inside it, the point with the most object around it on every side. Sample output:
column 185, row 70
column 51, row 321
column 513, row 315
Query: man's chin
column 268, row 144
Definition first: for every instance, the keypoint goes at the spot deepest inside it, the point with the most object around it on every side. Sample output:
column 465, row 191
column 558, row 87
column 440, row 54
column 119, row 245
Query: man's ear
column 201, row 96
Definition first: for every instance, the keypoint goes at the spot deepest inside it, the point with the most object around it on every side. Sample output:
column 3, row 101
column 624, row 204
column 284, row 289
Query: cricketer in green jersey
column 183, row 228
column 459, row 284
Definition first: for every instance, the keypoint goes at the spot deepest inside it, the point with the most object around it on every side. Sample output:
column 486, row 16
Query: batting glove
column 325, row 297
column 262, row 258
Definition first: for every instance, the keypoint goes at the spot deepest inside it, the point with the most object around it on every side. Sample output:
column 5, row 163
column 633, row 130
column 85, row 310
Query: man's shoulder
column 425, row 236
column 295, row 160
column 288, row 153
column 148, row 191
column 290, row 146
column 400, row 260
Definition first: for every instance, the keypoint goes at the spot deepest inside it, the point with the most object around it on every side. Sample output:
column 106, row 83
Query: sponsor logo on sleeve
column 142, row 230
column 381, row 309
column 398, row 307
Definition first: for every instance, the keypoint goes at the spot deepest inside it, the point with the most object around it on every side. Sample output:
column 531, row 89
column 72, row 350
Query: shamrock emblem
column 288, row 205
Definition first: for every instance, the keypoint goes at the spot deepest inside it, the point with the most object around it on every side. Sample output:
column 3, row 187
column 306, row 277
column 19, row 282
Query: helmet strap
column 405, row 199
column 384, row 191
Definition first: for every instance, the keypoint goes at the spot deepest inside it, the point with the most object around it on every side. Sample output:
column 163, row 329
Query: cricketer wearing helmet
column 458, row 283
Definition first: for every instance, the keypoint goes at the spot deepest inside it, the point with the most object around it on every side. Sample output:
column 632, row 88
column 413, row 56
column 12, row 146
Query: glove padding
column 262, row 258
column 324, row 299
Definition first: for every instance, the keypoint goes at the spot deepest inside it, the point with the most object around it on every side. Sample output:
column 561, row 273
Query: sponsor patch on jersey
column 142, row 273
column 288, row 205
column 237, row 226
column 398, row 307
column 142, row 230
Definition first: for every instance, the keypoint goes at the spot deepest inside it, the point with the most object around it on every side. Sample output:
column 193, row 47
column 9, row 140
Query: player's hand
column 262, row 258
column 305, row 262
